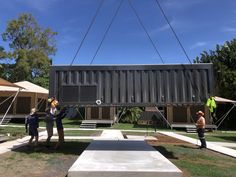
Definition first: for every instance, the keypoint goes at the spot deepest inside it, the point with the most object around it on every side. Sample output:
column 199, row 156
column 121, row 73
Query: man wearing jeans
column 201, row 128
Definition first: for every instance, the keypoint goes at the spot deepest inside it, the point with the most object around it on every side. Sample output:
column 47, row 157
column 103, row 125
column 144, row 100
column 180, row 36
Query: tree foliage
column 131, row 115
column 3, row 54
column 30, row 48
column 224, row 63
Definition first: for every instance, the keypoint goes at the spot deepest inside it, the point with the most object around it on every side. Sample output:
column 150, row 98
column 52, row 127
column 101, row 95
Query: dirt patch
column 164, row 139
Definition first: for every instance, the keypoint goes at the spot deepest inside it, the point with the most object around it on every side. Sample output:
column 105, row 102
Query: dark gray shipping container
column 132, row 85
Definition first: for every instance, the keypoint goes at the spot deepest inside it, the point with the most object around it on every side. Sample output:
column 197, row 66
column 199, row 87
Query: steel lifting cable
column 107, row 30
column 172, row 29
column 90, row 25
column 181, row 45
column 149, row 37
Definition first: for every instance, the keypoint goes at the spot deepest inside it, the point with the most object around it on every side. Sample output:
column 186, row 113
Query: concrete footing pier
column 122, row 158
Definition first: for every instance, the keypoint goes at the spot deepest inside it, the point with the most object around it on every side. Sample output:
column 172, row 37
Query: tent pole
column 226, row 115
column 163, row 117
column 39, row 104
column 80, row 114
column 6, row 99
column 10, row 106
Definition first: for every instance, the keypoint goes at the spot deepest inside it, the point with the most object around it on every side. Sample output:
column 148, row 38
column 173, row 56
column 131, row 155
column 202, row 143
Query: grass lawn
column 216, row 136
column 196, row 162
column 13, row 132
column 82, row 132
column 67, row 123
column 127, row 126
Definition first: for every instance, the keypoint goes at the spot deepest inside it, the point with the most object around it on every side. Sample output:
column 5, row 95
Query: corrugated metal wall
column 132, row 85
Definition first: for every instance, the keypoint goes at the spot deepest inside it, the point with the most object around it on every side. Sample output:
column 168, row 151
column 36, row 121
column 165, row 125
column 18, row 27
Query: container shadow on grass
column 69, row 147
column 165, row 152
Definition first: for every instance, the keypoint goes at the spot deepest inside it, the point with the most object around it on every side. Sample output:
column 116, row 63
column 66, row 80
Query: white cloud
column 40, row 5
column 229, row 29
column 198, row 44
column 66, row 40
column 166, row 26
column 177, row 4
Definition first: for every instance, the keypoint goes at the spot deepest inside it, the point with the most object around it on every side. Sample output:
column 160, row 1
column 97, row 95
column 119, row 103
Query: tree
column 224, row 63
column 131, row 115
column 2, row 53
column 31, row 46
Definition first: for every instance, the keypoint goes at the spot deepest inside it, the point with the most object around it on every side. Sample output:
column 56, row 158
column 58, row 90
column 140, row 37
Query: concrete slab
column 225, row 144
column 122, row 158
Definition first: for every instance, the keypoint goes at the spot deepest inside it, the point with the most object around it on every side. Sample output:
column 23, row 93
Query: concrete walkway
column 210, row 145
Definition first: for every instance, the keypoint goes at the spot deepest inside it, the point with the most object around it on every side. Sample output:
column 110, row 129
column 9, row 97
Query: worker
column 33, row 121
column 200, row 124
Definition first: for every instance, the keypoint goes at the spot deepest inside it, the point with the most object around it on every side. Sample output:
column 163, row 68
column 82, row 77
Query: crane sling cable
column 172, row 29
column 149, row 37
column 107, row 30
column 179, row 42
column 139, row 19
column 182, row 47
column 90, row 25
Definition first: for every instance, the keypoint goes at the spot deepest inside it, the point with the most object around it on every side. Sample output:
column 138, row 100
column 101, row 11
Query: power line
column 140, row 21
column 172, row 29
column 107, row 30
column 93, row 19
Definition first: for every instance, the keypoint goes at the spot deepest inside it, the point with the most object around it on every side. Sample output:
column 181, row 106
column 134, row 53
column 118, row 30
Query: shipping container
column 132, row 85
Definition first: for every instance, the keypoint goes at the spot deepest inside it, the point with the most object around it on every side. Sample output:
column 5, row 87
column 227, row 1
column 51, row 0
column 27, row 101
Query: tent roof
column 7, row 83
column 28, row 87
column 223, row 100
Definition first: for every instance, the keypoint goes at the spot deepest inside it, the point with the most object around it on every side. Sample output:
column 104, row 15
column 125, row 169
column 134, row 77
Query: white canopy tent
column 4, row 83
column 27, row 96
column 7, row 83
column 222, row 101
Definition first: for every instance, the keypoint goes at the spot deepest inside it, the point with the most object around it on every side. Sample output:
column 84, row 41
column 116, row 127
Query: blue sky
column 200, row 25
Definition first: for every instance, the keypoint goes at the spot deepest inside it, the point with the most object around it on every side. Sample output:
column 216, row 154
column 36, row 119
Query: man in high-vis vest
column 200, row 124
